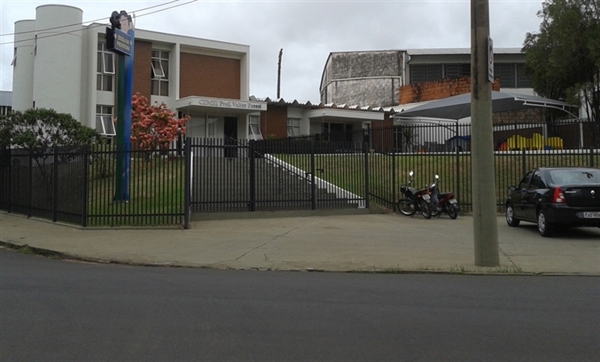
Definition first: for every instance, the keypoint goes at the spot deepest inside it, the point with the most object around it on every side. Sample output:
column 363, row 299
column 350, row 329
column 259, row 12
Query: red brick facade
column 142, row 68
column 273, row 122
column 209, row 76
column 428, row 91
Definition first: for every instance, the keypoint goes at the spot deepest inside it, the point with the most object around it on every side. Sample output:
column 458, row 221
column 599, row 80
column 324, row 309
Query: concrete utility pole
column 485, row 226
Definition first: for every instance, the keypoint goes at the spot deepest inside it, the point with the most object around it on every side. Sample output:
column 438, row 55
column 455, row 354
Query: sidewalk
column 371, row 242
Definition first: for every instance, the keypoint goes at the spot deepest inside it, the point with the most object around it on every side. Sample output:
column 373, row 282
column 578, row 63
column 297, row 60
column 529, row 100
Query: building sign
column 231, row 104
column 118, row 41
column 117, row 36
column 490, row 60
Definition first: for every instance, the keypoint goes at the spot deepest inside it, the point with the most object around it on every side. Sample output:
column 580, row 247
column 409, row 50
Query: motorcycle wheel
column 425, row 209
column 434, row 211
column 453, row 212
column 406, row 207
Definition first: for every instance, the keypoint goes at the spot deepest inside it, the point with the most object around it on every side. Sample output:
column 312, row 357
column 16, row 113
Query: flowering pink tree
column 154, row 126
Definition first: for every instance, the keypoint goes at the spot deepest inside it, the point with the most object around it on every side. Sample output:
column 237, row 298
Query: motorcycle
column 442, row 202
column 414, row 200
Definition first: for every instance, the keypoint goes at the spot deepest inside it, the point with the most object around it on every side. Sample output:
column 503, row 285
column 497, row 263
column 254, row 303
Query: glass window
column 506, row 73
column 104, row 120
column 525, row 181
column 160, row 73
column 254, row 128
column 420, row 73
column 536, row 181
column 293, row 127
column 523, row 79
column 457, row 70
column 105, row 69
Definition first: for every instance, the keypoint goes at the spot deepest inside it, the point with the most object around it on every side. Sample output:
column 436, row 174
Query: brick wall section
column 142, row 68
column 428, row 91
column 209, row 76
column 274, row 121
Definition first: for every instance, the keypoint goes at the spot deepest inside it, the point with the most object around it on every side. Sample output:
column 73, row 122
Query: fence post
column 394, row 180
column 84, row 203
column 313, row 186
column 30, row 196
column 523, row 163
column 187, row 187
column 9, row 182
column 457, row 164
column 591, row 156
column 55, row 185
column 367, row 186
column 252, row 151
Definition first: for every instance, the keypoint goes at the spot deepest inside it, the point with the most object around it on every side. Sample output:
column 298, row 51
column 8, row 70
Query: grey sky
column 306, row 30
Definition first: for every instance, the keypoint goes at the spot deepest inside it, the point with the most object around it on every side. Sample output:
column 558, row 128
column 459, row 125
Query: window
column 293, row 127
column 160, row 73
column 506, row 73
column 104, row 121
column 254, row 128
column 105, row 69
column 525, row 182
column 420, row 73
column 457, row 70
column 425, row 72
column 523, row 80
column 536, row 181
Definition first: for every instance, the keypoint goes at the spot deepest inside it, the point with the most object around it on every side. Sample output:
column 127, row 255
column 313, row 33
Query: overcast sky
column 307, row 30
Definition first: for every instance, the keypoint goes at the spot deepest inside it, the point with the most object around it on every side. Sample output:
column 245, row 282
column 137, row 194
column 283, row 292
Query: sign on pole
column 490, row 60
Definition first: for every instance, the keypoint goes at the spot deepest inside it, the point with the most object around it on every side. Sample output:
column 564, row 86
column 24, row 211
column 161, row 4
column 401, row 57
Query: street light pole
column 485, row 227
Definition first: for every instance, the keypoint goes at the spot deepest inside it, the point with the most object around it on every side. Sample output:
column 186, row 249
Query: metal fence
column 308, row 173
column 269, row 175
column 445, row 149
column 78, row 186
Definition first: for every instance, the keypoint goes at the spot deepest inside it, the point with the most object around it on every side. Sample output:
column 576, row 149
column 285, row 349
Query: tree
column 40, row 131
column 154, row 126
column 44, row 129
column 563, row 58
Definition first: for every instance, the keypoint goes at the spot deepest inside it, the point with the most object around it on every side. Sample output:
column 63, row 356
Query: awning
column 459, row 107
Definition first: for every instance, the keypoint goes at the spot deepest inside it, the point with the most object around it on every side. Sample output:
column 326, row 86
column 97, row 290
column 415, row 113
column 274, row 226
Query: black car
column 556, row 196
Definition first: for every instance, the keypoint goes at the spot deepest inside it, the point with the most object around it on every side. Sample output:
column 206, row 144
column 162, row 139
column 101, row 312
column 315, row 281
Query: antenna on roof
column 279, row 73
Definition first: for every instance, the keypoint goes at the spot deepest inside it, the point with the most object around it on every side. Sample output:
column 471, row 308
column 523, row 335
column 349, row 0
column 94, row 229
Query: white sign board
column 490, row 60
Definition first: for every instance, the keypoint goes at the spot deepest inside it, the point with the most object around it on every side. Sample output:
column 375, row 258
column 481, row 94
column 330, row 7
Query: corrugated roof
column 308, row 104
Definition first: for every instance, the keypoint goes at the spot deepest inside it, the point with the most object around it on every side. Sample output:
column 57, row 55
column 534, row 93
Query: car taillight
column 559, row 196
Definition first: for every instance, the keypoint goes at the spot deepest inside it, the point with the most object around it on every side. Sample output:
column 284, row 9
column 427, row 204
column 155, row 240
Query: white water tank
column 22, row 93
column 58, row 53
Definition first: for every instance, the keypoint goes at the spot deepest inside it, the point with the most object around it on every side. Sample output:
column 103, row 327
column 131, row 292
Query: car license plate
column 591, row 215
column 453, row 201
column 426, row 197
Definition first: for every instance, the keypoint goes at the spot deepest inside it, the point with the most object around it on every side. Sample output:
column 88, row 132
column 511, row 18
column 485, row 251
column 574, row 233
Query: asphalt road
column 55, row 310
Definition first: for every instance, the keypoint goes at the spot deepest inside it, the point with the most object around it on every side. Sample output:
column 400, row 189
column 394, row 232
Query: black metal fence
column 79, row 186
column 445, row 149
column 309, row 173
column 269, row 175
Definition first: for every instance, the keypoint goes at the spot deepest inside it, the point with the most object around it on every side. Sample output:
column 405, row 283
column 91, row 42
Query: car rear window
column 575, row 177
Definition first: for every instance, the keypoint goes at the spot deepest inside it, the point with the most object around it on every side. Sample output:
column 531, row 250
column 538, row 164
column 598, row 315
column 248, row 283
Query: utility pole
column 485, row 226
column 279, row 73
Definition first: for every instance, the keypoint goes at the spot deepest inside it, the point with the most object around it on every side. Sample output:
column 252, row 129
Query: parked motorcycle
column 442, row 202
column 414, row 200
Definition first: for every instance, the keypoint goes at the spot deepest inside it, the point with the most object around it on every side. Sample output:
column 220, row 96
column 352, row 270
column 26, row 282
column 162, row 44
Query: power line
column 89, row 21
column 73, row 31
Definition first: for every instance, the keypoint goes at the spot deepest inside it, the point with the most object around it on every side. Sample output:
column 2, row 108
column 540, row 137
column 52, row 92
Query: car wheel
column 510, row 216
column 546, row 229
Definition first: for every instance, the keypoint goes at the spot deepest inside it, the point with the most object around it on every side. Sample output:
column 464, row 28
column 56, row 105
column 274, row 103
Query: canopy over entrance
column 459, row 107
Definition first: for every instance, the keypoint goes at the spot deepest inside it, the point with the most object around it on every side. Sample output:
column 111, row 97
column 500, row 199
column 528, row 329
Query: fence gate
column 273, row 175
